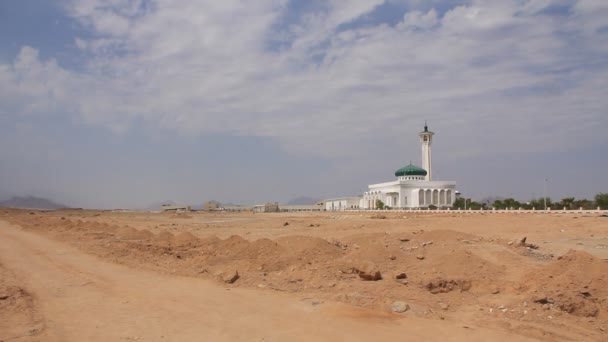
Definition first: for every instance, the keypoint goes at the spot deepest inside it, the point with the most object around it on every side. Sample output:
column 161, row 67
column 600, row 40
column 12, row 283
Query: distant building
column 266, row 208
column 236, row 208
column 309, row 207
column 169, row 207
column 414, row 187
column 211, row 205
column 342, row 203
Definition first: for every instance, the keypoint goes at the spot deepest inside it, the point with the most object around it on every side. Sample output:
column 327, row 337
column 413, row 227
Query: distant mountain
column 303, row 200
column 31, row 202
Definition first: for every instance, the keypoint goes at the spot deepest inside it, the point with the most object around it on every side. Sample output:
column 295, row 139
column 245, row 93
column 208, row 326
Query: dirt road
column 81, row 298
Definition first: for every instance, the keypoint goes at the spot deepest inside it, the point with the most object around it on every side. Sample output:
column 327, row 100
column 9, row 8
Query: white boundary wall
column 487, row 211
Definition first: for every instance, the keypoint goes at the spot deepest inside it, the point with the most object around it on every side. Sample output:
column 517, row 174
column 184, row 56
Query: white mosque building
column 413, row 188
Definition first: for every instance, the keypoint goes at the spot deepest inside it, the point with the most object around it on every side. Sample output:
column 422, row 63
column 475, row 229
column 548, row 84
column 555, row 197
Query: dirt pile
column 163, row 238
column 447, row 285
column 185, row 239
column 576, row 283
column 127, row 233
column 18, row 317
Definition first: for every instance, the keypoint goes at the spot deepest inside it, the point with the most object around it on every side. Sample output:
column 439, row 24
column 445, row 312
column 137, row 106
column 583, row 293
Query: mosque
column 413, row 188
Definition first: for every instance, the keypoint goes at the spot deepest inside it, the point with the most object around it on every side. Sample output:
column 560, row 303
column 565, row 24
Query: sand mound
column 144, row 234
column 239, row 248
column 111, row 228
column 185, row 238
column 311, row 248
column 576, row 283
column 233, row 241
column 94, row 225
column 163, row 236
column 210, row 240
column 65, row 225
column 463, row 263
column 126, row 233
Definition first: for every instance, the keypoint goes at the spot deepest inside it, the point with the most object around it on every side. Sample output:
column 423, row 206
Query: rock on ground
column 400, row 307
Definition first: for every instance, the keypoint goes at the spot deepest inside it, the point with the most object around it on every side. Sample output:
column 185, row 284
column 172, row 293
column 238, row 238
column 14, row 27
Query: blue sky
column 125, row 103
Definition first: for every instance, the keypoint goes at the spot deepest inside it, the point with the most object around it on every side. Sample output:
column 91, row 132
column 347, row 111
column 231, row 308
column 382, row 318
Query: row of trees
column 570, row 203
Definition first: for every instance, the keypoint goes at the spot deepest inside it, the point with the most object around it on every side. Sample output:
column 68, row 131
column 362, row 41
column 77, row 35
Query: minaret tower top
column 426, row 139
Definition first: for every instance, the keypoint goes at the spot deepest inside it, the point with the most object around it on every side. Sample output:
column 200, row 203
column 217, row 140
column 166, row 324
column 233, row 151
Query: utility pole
column 545, row 192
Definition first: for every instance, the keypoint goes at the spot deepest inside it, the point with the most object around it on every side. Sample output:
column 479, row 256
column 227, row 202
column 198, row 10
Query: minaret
column 426, row 138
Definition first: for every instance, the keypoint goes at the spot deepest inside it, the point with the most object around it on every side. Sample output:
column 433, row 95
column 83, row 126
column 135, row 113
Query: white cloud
column 419, row 20
column 204, row 66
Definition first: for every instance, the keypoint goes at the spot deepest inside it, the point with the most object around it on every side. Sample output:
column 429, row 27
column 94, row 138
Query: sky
column 124, row 103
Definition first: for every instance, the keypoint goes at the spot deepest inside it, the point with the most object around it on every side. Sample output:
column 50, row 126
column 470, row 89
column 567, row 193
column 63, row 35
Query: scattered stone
column 340, row 245
column 372, row 276
column 393, row 257
column 444, row 306
column 424, row 244
column 495, row 290
column 404, row 240
column 401, row 278
column 445, row 285
column 230, row 279
column 420, row 257
column 285, row 224
column 400, row 307
column 544, row 300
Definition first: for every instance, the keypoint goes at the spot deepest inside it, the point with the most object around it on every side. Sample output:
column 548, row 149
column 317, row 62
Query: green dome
column 410, row 170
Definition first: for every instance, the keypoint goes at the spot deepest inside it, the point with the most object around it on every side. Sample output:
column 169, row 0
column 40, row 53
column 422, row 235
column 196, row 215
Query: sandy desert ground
column 84, row 275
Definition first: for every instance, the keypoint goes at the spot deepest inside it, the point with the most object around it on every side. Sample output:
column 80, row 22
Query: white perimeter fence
column 470, row 211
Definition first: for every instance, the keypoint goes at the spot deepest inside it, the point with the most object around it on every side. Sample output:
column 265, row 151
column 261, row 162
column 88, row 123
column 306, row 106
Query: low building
column 169, row 207
column 342, row 203
column 236, row 208
column 309, row 207
column 211, row 205
column 267, row 208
